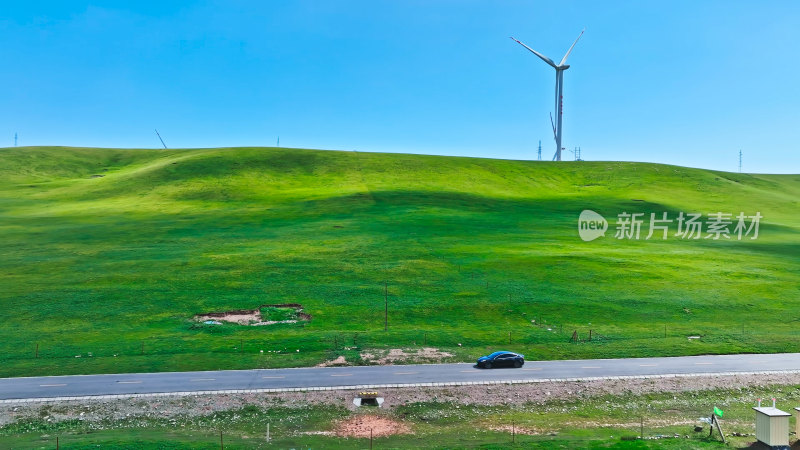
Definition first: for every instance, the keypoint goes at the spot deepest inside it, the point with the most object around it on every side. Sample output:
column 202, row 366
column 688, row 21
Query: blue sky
column 679, row 82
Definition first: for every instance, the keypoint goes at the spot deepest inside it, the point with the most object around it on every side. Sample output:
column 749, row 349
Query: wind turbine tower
column 560, row 68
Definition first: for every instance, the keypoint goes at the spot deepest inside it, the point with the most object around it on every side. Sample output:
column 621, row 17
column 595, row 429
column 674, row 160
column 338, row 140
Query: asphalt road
column 141, row 383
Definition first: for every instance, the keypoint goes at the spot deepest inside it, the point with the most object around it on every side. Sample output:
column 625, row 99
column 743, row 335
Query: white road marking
column 202, row 379
column 128, row 382
column 703, row 364
column 341, row 374
column 273, row 377
column 591, row 367
column 470, row 371
column 52, row 385
column 532, row 368
column 405, row 373
column 647, row 365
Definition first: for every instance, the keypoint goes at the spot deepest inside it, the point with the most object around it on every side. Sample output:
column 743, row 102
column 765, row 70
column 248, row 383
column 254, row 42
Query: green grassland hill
column 107, row 256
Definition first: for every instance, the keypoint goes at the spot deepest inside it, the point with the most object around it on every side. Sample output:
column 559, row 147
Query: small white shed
column 772, row 426
column 797, row 423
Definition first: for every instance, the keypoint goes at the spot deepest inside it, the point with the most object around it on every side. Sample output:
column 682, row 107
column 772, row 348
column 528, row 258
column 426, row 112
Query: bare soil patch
column 399, row 355
column 340, row 361
column 253, row 317
column 362, row 425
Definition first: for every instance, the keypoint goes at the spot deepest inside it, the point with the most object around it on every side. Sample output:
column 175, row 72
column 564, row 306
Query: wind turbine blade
column 563, row 61
column 552, row 124
column 544, row 58
column 555, row 155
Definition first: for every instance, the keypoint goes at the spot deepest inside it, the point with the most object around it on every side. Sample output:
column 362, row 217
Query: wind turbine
column 560, row 68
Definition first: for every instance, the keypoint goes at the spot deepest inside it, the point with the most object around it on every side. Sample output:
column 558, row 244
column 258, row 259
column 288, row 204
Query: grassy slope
column 104, row 264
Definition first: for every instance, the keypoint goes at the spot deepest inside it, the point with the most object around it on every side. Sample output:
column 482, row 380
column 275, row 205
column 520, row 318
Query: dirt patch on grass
column 242, row 317
column 399, row 355
column 340, row 361
column 362, row 425
column 292, row 313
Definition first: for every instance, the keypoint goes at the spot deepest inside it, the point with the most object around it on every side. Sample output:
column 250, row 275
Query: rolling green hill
column 112, row 252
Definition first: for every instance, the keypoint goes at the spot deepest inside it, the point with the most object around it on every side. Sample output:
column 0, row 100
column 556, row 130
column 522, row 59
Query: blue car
column 501, row 359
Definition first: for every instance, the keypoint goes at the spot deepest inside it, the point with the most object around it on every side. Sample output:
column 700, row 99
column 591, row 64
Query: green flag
column 717, row 411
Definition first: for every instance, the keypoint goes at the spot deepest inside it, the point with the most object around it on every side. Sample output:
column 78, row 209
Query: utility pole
column 385, row 306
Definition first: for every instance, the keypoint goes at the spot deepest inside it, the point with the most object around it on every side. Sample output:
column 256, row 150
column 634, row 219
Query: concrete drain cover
column 368, row 399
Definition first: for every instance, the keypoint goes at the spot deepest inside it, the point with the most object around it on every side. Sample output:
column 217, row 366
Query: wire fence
column 539, row 333
column 213, row 439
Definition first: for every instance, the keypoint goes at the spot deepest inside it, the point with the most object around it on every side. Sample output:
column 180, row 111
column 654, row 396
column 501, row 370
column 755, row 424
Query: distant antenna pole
column 540, row 149
column 15, row 144
column 578, row 154
column 740, row 161
column 279, row 142
column 159, row 138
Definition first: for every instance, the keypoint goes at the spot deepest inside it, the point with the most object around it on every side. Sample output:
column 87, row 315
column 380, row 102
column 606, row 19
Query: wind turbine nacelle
column 564, row 67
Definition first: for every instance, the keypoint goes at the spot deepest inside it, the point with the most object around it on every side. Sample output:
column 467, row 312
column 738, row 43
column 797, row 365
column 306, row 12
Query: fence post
column 513, row 432
column 37, row 350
